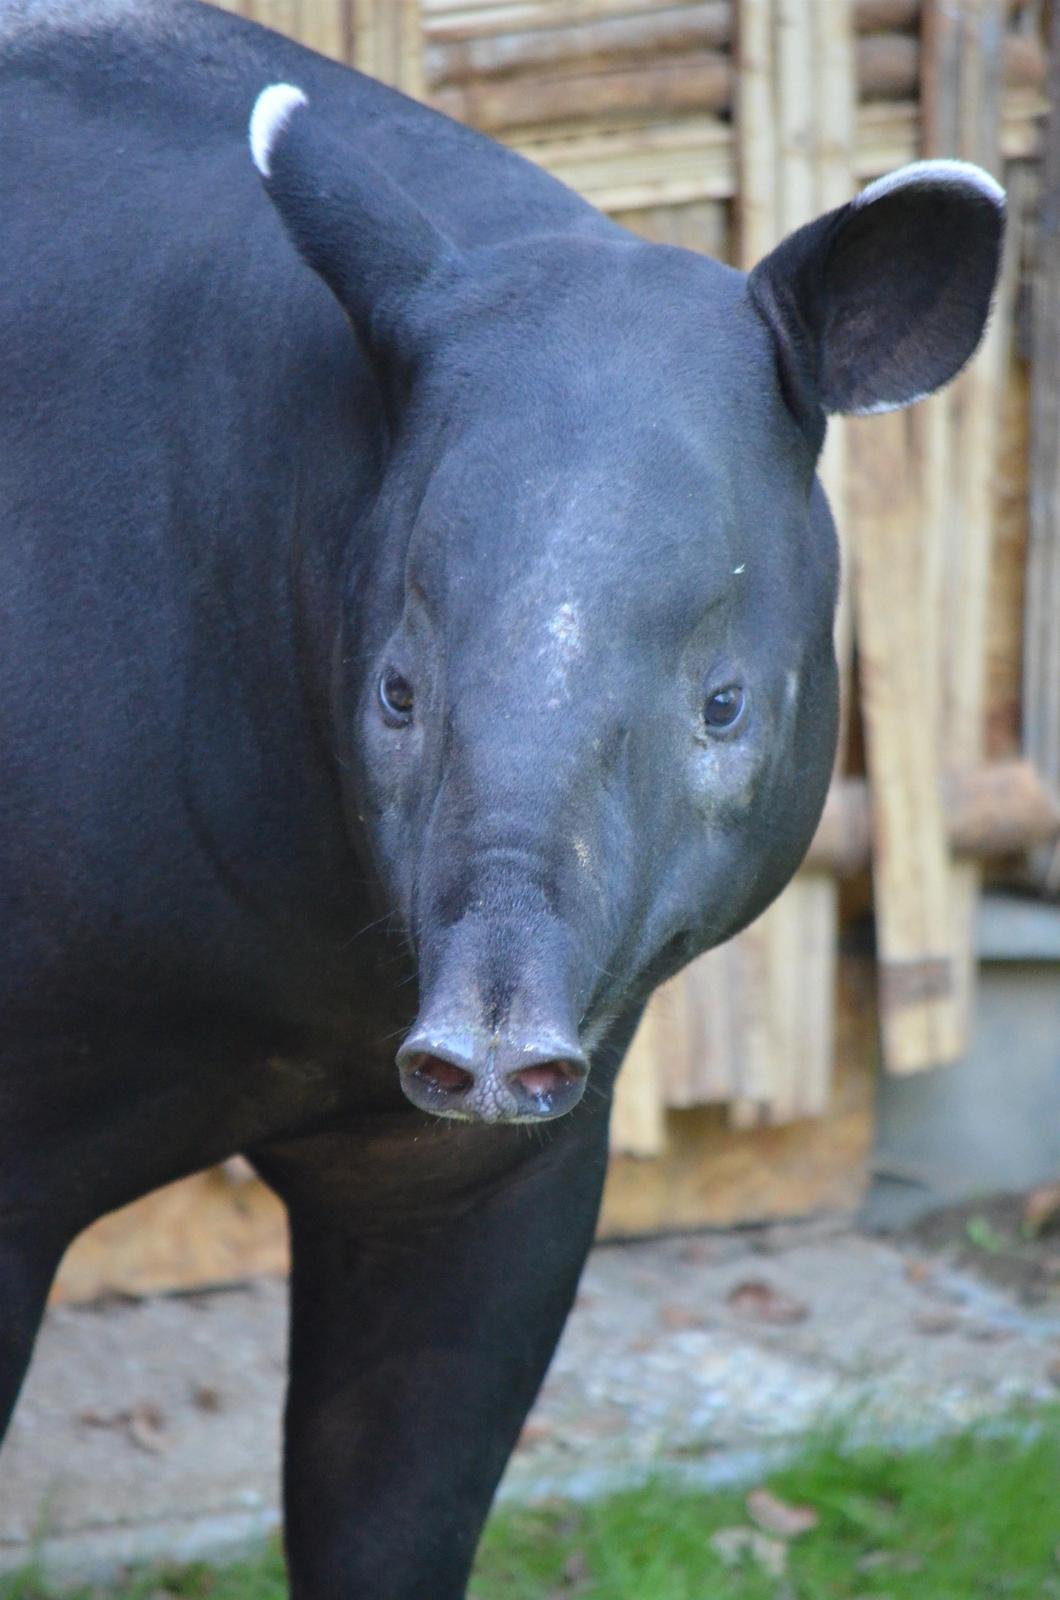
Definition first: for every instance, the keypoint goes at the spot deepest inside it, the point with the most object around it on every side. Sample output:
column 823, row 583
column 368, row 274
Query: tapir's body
column 416, row 632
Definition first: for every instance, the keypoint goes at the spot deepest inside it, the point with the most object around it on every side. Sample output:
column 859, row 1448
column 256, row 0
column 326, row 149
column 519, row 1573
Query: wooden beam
column 387, row 41
column 961, row 92
column 795, row 119
column 699, row 81
column 996, row 810
column 895, row 629
column 638, row 1117
column 658, row 161
column 1041, row 675
column 457, row 52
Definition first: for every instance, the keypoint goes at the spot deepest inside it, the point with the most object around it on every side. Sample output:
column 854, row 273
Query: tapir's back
column 181, row 76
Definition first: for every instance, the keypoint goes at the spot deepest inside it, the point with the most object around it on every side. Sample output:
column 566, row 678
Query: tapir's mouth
column 536, row 1092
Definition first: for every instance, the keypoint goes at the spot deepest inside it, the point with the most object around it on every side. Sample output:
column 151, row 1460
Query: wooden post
column 638, row 1116
column 918, row 1011
column 1041, row 662
column 954, row 437
column 800, row 156
column 995, row 810
column 323, row 25
column 388, row 42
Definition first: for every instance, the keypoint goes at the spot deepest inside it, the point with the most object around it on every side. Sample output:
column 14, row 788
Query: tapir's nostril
column 442, row 1074
column 476, row 1077
column 547, row 1077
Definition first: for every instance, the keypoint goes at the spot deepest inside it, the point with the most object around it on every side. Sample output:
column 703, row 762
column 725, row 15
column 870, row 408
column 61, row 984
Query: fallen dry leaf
column 698, row 1253
column 987, row 1332
column 935, row 1322
column 676, row 1317
column 90, row 1418
column 147, row 1427
column 764, row 1302
column 777, row 1517
column 145, row 1424
column 576, row 1568
column 1041, row 1209
column 733, row 1546
column 534, row 1433
column 890, row 1561
column 206, row 1398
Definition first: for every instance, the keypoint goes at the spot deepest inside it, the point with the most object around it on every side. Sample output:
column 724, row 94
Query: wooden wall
column 719, row 126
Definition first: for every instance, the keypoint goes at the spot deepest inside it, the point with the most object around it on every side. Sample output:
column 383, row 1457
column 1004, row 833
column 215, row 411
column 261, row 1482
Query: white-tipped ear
column 272, row 111
column 883, row 301
column 960, row 173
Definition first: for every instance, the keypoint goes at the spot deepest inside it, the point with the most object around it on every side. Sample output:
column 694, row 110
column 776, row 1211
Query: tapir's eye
column 723, row 708
column 396, row 698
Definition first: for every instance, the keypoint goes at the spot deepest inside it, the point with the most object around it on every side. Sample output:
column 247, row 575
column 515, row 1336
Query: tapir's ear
column 369, row 242
column 875, row 305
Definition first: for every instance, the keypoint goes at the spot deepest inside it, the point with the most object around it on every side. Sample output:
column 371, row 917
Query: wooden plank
column 660, row 161
column 673, row 1056
column 696, row 82
column 796, row 104
column 202, row 1231
column 1041, row 675
column 961, row 94
column 638, row 1117
column 1005, row 641
column 283, row 15
column 738, row 975
column 388, row 43
column 700, row 80
column 896, row 624
column 327, row 26
column 450, row 21
column 976, row 421
column 703, row 1073
column 714, row 1175
column 595, row 41
column 941, row 71
column 997, row 809
column 701, row 225
column 789, row 955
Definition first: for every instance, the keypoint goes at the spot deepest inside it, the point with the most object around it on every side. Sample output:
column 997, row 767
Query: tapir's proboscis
column 416, row 613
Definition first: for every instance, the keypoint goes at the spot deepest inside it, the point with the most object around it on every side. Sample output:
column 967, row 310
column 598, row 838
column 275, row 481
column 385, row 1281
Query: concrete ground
column 151, row 1428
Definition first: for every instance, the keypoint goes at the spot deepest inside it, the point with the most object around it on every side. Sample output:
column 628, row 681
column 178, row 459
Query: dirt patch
column 1010, row 1240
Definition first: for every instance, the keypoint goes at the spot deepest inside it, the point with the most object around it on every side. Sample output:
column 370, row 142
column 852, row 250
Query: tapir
column 416, row 616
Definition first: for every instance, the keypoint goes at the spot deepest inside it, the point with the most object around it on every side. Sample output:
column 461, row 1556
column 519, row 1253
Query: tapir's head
column 594, row 695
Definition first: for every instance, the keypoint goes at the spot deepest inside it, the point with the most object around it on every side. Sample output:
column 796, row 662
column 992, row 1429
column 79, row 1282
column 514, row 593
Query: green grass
column 973, row 1518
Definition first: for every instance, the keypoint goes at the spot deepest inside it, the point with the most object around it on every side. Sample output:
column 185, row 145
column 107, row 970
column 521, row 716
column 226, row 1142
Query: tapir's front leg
column 419, row 1338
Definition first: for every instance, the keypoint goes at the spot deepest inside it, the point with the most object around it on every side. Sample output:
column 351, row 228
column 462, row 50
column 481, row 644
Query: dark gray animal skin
column 415, row 639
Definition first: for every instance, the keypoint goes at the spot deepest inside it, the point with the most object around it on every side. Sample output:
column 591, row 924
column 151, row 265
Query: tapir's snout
column 505, row 954
column 454, row 1071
